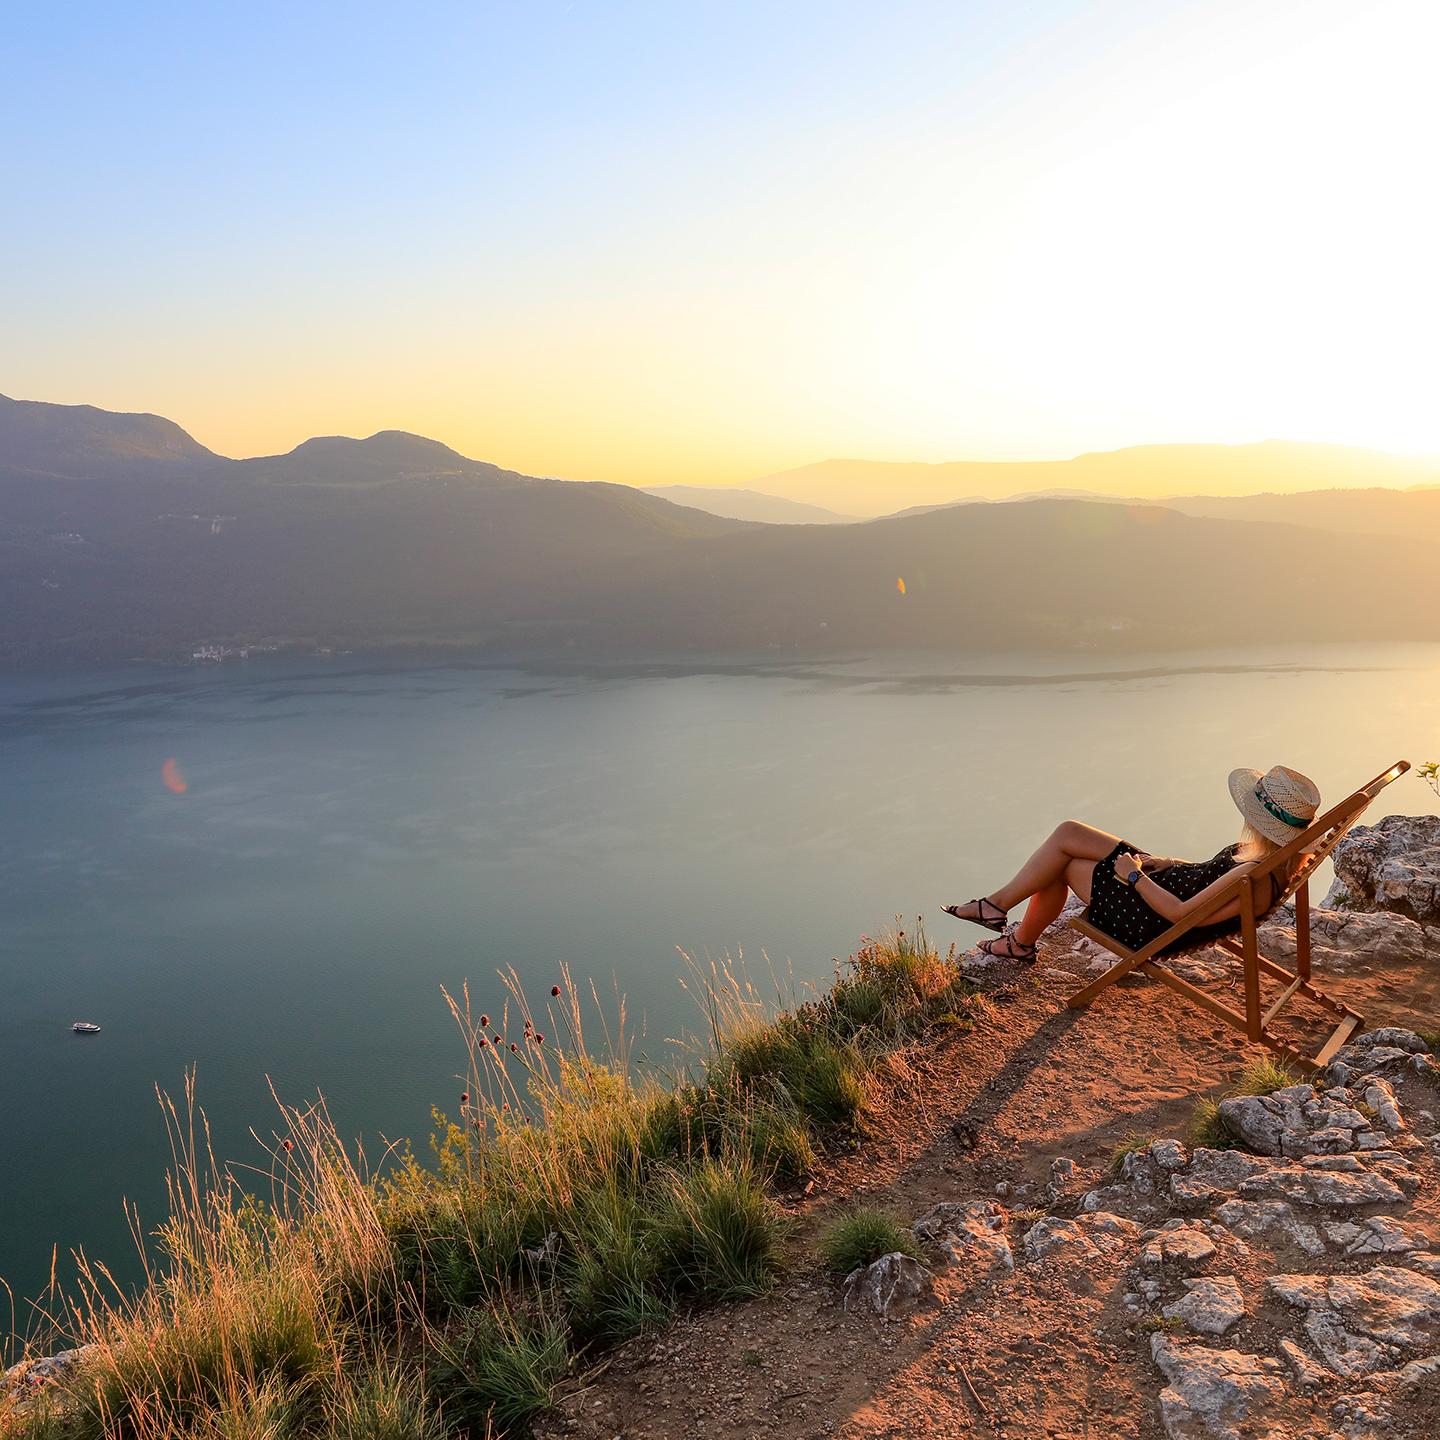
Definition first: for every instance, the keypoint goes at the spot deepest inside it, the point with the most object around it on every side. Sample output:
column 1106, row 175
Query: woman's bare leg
column 1044, row 909
column 1050, row 864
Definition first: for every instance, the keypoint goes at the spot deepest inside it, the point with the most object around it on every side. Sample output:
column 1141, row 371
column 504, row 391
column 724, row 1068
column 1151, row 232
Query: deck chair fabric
column 1316, row 845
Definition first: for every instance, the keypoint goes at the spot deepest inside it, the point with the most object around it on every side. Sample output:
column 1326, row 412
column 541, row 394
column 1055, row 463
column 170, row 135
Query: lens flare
column 173, row 779
column 900, row 585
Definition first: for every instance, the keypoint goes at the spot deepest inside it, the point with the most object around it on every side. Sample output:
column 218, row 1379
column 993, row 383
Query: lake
column 336, row 839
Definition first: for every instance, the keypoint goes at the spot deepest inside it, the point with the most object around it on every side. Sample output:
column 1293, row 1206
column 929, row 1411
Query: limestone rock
column 1339, row 937
column 1186, row 1248
column 970, row 1234
column 1380, row 1097
column 1366, row 1322
column 1374, row 1235
column 1169, row 1154
column 890, row 1287
column 1308, row 1375
column 22, row 1383
column 1212, row 1306
column 1085, row 1237
column 1211, row 1394
column 1362, row 1417
column 1254, row 1219
column 1213, row 1175
column 1393, row 866
column 1329, row 1181
column 1390, row 1037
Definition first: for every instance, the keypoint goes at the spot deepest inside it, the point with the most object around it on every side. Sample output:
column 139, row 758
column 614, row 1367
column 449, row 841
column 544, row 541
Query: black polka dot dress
column 1119, row 911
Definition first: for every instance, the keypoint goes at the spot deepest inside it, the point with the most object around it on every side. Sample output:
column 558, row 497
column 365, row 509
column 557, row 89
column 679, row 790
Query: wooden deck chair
column 1317, row 842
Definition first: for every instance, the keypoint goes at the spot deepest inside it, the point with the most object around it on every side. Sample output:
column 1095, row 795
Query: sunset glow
column 730, row 240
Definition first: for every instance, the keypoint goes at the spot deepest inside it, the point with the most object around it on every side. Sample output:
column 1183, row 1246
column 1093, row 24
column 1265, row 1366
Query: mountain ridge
column 396, row 541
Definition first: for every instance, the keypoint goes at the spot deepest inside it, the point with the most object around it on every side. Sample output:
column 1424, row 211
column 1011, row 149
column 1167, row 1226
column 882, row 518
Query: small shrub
column 862, row 1237
column 1167, row 1324
column 498, row 1371
column 1431, row 1038
column 1208, row 1129
column 717, row 1233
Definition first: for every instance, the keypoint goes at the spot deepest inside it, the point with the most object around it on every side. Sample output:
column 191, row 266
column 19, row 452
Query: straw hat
column 1279, row 804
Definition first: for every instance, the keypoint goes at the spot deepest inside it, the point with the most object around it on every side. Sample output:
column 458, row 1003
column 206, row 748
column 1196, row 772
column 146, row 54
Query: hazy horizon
column 713, row 245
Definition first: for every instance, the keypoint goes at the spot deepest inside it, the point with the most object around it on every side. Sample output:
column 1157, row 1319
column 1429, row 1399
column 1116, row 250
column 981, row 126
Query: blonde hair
column 1253, row 845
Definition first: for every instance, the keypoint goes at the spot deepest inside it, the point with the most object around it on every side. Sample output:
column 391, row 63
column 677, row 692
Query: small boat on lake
column 85, row 1027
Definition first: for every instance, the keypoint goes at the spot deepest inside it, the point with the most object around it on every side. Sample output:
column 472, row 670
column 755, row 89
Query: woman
column 1134, row 897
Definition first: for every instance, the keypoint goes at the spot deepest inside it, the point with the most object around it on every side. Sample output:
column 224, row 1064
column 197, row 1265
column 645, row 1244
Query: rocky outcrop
column 1384, row 907
column 1393, row 866
column 1376, row 1320
column 1314, row 1216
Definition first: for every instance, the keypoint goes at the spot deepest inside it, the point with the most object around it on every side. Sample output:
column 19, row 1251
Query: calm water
column 354, row 836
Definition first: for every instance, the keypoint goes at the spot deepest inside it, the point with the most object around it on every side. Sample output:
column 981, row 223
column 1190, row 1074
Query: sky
column 695, row 242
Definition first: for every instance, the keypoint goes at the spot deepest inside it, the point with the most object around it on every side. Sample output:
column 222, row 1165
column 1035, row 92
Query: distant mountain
column 398, row 541
column 79, row 439
column 875, row 487
column 1371, row 512
column 749, row 505
column 1413, row 512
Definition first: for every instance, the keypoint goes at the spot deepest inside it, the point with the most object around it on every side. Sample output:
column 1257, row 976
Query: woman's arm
column 1172, row 907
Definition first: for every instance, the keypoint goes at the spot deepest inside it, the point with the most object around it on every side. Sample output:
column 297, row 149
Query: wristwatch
column 1133, row 878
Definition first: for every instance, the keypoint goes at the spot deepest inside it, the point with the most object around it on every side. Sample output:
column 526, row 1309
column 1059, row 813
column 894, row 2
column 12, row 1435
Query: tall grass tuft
column 862, row 1237
column 574, row 1198
column 1264, row 1077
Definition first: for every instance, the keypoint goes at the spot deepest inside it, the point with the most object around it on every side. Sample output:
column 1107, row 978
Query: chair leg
column 1254, row 1024
column 1302, row 930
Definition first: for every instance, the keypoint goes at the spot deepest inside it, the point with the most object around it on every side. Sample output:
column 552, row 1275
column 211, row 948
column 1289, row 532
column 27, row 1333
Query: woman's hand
column 1125, row 862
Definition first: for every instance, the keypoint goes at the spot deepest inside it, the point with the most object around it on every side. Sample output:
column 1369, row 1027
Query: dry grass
column 576, row 1199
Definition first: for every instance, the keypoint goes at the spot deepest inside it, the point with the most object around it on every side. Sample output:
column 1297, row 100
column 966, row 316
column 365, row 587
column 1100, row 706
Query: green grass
column 1264, row 1077
column 574, row 1200
column 717, row 1231
column 498, row 1371
column 382, row 1402
column 1208, row 1129
column 1132, row 1144
column 862, row 1237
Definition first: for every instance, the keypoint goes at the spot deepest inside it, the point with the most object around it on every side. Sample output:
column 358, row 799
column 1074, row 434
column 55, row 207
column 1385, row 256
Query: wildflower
column 539, row 1039
column 289, row 1145
column 483, row 1042
column 555, row 990
column 514, row 1048
column 464, row 1097
column 484, row 1022
column 497, row 1039
column 504, row 1107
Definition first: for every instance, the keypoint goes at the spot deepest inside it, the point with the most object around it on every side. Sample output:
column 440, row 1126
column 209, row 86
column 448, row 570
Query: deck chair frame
column 1316, row 843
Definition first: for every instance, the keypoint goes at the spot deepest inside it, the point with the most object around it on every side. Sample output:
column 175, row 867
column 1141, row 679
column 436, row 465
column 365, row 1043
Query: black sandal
column 1015, row 949
column 978, row 918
